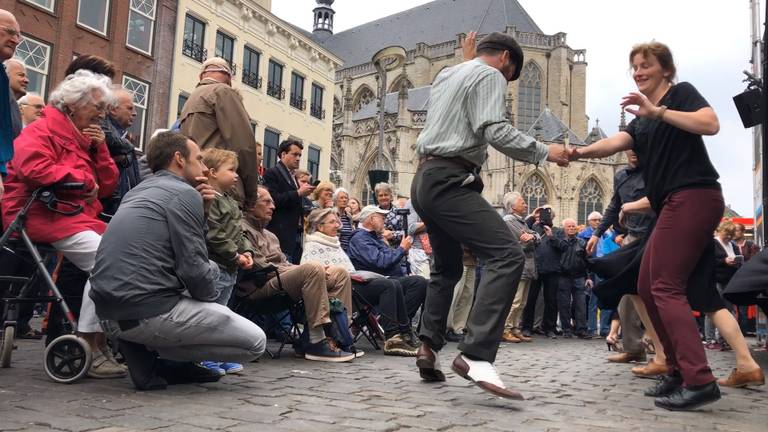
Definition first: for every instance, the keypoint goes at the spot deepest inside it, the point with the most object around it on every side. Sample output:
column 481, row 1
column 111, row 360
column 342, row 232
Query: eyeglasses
column 12, row 32
column 35, row 106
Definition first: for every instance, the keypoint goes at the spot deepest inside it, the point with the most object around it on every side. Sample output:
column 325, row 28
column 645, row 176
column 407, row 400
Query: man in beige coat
column 215, row 117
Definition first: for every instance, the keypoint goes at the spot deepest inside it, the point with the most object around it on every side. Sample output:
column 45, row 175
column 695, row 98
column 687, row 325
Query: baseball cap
column 370, row 210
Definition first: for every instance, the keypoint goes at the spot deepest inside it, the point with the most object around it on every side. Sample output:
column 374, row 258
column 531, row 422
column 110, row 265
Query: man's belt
column 454, row 159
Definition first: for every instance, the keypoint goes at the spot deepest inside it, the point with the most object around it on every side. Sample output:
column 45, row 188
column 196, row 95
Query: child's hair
column 214, row 158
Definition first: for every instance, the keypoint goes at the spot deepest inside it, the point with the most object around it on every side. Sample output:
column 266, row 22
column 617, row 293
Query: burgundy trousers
column 683, row 229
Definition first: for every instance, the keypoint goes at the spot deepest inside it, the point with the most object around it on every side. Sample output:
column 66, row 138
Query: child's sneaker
column 214, row 366
column 231, row 368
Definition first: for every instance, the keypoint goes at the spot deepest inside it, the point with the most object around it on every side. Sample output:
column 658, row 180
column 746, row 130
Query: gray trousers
column 631, row 326
column 198, row 331
column 458, row 215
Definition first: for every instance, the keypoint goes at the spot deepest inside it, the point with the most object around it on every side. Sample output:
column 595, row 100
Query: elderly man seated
column 312, row 281
column 368, row 251
column 154, row 282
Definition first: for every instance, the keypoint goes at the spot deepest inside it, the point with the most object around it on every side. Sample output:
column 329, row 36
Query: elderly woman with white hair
column 348, row 226
column 66, row 145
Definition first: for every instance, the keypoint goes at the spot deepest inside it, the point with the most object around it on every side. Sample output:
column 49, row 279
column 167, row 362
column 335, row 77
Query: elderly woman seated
column 322, row 245
column 66, row 145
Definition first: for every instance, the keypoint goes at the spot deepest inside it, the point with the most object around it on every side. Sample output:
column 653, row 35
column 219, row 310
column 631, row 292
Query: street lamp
column 384, row 60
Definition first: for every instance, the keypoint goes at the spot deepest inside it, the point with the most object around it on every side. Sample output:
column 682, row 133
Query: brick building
column 136, row 35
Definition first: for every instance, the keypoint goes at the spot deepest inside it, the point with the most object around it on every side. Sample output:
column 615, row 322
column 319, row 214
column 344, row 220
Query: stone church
column 548, row 101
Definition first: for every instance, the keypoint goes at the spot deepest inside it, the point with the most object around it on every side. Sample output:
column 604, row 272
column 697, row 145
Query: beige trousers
column 315, row 284
column 516, row 311
column 463, row 294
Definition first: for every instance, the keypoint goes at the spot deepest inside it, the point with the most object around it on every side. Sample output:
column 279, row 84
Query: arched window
column 529, row 97
column 590, row 199
column 399, row 82
column 535, row 191
column 363, row 96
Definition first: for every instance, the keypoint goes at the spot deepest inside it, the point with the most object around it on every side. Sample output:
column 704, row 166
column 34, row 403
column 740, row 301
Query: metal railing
column 194, row 50
column 275, row 91
column 251, row 79
column 298, row 102
column 317, row 112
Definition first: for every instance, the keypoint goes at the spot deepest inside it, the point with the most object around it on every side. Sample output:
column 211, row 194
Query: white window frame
column 46, row 65
column 106, row 18
column 49, row 9
column 152, row 18
column 130, row 84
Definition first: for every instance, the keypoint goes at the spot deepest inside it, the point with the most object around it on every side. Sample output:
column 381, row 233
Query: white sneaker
column 484, row 375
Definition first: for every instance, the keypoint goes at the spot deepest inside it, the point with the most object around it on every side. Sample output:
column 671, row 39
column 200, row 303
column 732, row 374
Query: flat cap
column 503, row 41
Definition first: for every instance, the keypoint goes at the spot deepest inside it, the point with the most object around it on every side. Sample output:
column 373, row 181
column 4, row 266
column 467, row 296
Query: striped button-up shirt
column 467, row 113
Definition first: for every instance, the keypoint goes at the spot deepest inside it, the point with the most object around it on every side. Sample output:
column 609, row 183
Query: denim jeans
column 224, row 285
column 592, row 313
column 570, row 293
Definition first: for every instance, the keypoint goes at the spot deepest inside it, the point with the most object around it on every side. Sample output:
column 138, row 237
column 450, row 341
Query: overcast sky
column 710, row 40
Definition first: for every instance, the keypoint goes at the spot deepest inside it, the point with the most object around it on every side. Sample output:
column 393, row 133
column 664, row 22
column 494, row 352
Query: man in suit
column 288, row 218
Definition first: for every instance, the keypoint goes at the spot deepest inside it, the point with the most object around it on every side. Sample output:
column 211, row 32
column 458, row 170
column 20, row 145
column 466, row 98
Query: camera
column 545, row 217
column 738, row 259
column 402, row 211
column 315, row 182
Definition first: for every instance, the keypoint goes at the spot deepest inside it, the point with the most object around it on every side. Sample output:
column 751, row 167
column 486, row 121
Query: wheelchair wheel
column 7, row 347
column 67, row 359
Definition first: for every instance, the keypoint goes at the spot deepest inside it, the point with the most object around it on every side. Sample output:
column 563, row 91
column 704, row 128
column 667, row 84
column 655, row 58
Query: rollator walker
column 68, row 357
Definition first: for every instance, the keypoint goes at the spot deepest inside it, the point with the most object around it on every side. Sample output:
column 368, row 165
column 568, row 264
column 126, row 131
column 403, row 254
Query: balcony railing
column 298, row 103
column 251, row 79
column 194, row 50
column 317, row 111
column 275, row 91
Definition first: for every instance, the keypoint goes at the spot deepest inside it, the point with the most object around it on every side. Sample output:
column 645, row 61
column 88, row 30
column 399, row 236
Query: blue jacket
column 368, row 252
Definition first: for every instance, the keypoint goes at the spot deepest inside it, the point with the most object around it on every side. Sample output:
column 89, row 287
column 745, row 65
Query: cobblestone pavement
column 567, row 383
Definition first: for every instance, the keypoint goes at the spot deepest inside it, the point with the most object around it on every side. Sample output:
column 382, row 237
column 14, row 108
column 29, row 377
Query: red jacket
column 51, row 150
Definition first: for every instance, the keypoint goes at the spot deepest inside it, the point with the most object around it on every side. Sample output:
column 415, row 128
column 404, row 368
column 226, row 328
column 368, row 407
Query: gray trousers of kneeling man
column 199, row 331
column 458, row 215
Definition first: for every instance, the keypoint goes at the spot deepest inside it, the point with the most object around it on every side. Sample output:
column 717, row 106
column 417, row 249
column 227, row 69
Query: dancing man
column 467, row 113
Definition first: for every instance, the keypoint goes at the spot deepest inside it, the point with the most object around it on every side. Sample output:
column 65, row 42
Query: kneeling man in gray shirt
column 153, row 282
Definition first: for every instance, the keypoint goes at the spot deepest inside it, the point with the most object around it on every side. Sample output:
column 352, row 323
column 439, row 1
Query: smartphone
column 545, row 217
column 315, row 183
column 738, row 259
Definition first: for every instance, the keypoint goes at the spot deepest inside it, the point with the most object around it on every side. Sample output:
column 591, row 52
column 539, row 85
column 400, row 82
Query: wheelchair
column 68, row 357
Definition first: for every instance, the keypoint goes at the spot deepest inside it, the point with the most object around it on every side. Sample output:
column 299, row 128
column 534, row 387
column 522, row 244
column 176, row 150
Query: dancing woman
column 683, row 190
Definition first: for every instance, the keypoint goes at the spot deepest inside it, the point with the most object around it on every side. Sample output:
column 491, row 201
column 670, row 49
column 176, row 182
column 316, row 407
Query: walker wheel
column 7, row 348
column 67, row 359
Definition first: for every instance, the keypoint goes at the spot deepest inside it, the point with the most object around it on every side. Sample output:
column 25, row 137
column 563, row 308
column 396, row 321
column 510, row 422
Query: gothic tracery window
column 535, row 191
column 590, row 199
column 529, row 99
column 364, row 96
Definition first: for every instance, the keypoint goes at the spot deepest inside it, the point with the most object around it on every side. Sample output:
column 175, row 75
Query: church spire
column 323, row 18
